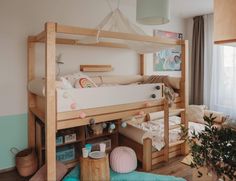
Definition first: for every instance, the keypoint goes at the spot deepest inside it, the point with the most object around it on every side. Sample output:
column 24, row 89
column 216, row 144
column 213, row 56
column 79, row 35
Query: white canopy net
column 116, row 21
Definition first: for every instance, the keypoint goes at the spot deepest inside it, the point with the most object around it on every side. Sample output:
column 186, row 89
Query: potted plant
column 214, row 149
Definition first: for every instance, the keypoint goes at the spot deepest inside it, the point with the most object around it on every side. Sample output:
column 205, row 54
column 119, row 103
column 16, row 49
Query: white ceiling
column 191, row 8
column 183, row 8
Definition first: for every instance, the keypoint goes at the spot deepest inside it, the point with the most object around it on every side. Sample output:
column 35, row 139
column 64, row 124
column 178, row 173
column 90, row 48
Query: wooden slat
column 166, row 130
column 161, row 152
column 102, row 118
column 109, row 109
column 157, row 153
column 174, row 148
column 115, row 35
column 64, row 41
column 31, row 97
column 158, row 160
column 176, row 143
column 96, row 68
column 50, row 114
column 175, row 153
column 142, row 64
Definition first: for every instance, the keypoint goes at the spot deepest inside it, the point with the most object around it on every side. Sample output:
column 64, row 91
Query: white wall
column 19, row 19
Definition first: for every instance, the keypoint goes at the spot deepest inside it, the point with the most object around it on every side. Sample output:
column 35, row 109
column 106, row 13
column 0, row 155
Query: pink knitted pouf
column 123, row 159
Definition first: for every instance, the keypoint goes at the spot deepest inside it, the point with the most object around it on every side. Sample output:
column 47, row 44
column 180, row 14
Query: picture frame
column 168, row 61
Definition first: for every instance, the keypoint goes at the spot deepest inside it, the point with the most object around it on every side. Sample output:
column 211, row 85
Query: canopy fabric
column 116, row 21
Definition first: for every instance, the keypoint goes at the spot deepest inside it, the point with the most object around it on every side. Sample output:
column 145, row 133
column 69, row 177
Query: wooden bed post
column 147, row 154
column 50, row 115
column 184, row 90
column 31, row 97
column 142, row 64
column 166, row 130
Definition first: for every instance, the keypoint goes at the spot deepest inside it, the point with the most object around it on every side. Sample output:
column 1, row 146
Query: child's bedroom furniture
column 155, row 147
column 57, row 111
column 95, row 169
column 121, row 155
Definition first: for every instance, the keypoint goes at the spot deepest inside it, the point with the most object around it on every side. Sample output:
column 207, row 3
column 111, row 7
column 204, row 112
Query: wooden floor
column 174, row 167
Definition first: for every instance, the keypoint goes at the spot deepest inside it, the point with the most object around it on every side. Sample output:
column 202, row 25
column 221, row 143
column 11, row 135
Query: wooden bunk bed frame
column 55, row 121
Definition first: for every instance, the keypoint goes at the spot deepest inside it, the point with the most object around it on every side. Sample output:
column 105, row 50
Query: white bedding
column 155, row 130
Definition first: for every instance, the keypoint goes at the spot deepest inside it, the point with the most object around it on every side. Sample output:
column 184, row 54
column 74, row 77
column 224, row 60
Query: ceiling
column 191, row 8
column 183, row 8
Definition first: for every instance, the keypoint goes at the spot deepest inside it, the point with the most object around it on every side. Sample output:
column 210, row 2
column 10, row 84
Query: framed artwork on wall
column 166, row 61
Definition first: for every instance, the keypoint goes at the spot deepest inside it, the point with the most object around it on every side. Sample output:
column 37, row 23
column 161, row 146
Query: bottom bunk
column 155, row 141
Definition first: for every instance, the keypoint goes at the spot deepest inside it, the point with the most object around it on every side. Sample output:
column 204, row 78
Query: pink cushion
column 123, row 160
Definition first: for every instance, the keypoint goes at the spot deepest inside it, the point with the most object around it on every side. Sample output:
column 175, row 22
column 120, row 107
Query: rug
column 132, row 176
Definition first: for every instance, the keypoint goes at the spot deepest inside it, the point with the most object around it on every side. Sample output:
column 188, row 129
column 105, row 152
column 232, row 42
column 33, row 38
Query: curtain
column 219, row 73
column 223, row 84
column 208, row 57
column 197, row 64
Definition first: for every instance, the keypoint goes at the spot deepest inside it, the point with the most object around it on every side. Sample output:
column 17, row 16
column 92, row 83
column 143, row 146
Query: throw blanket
column 168, row 91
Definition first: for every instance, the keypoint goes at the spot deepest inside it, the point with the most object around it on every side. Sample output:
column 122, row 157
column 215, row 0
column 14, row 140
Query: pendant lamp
column 153, row 12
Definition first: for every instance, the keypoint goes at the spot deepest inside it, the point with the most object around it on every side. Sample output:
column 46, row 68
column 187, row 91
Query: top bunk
column 100, row 103
column 71, row 35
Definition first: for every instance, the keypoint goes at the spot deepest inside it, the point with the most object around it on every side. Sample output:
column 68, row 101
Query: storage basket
column 26, row 161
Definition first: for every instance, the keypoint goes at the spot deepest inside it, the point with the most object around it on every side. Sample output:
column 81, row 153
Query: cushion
column 85, row 82
column 219, row 116
column 195, row 113
column 123, row 159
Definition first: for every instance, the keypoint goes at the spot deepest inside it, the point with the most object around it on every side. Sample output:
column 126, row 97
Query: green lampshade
column 153, row 12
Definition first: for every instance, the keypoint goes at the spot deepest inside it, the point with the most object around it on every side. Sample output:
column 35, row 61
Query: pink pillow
column 123, row 159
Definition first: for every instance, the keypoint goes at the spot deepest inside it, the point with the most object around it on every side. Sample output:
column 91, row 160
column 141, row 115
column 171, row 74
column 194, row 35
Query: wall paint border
column 13, row 133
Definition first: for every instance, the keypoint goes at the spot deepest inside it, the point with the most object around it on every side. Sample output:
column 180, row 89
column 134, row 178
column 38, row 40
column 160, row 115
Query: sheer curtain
column 223, row 84
column 220, row 73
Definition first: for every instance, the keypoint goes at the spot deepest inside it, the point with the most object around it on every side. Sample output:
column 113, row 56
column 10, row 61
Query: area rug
column 132, row 176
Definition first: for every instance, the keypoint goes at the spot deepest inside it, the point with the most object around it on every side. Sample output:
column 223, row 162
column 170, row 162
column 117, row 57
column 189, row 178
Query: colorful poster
column 167, row 60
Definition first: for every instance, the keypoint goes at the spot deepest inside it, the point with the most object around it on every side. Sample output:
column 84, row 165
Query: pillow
column 84, row 82
column 72, row 78
column 219, row 116
column 195, row 113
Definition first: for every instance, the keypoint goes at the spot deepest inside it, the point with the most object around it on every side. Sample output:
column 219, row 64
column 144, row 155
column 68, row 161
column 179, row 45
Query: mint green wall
column 13, row 133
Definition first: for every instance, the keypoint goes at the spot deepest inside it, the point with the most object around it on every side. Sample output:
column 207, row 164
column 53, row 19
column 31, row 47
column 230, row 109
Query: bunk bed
column 55, row 120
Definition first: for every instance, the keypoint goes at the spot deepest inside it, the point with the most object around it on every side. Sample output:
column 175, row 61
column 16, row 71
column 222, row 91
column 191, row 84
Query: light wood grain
column 147, row 154
column 50, row 115
column 224, row 21
column 115, row 35
column 94, row 169
column 31, row 97
column 96, row 68
column 142, row 64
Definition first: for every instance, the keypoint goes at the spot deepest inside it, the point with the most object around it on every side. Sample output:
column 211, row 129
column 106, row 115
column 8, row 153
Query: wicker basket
column 26, row 161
